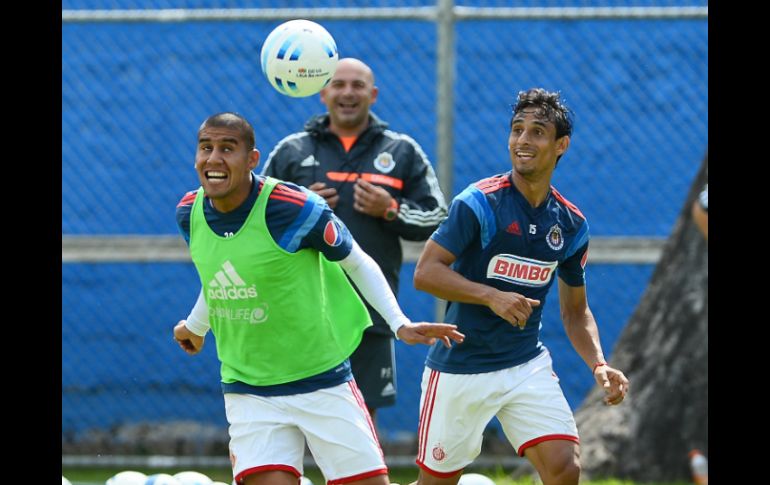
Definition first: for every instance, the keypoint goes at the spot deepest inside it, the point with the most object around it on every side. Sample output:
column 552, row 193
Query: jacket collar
column 319, row 125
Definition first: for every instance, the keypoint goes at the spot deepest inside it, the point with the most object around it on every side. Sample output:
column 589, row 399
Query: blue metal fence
column 133, row 95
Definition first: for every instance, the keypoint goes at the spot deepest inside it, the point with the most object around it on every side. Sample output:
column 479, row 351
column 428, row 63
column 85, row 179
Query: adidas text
column 232, row 293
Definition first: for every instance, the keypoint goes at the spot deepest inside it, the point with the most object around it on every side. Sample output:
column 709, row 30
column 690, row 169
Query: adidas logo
column 310, row 161
column 514, row 228
column 228, row 285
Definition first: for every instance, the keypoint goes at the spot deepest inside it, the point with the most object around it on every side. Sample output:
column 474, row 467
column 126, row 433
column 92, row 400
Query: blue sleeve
column 572, row 269
column 307, row 222
column 183, row 210
column 462, row 225
column 329, row 235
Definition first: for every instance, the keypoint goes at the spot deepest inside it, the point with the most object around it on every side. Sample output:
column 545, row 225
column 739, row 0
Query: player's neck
column 233, row 201
column 534, row 189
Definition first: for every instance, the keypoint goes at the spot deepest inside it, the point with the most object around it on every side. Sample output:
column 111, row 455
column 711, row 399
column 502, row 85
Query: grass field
column 81, row 475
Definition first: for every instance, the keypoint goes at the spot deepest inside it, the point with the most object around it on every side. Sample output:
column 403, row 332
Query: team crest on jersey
column 384, row 162
column 438, row 452
column 521, row 271
column 332, row 234
column 554, row 239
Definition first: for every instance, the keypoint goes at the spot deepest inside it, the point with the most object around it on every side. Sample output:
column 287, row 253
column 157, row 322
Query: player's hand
column 614, row 383
column 370, row 199
column 190, row 343
column 328, row 193
column 427, row 333
column 512, row 307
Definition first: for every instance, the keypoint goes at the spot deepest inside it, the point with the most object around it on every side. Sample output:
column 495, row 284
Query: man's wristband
column 596, row 365
column 391, row 212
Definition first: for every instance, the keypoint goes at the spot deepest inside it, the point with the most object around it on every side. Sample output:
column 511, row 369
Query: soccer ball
column 475, row 479
column 299, row 57
column 127, row 478
column 64, row 481
column 192, row 478
column 161, row 479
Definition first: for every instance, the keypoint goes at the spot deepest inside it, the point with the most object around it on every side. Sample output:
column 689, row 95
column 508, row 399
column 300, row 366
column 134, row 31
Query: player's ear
column 374, row 94
column 253, row 159
column 562, row 144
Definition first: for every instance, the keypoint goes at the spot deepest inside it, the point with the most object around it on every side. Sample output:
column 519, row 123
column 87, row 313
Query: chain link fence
column 135, row 89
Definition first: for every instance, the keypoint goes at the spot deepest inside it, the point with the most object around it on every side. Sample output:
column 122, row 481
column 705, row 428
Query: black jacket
column 391, row 160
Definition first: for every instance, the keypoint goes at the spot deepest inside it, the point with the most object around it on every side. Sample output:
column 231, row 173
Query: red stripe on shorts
column 266, row 468
column 548, row 437
column 360, row 399
column 360, row 476
column 425, row 414
column 439, row 474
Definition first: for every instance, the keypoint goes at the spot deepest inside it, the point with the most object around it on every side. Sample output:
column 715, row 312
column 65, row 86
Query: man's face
column 224, row 163
column 533, row 145
column 349, row 95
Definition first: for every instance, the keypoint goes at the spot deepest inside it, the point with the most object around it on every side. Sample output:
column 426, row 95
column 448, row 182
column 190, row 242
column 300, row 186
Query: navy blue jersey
column 297, row 219
column 500, row 240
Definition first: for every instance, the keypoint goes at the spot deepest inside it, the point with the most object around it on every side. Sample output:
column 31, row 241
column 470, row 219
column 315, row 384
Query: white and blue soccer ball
column 192, row 478
column 161, row 479
column 128, row 477
column 475, row 479
column 299, row 58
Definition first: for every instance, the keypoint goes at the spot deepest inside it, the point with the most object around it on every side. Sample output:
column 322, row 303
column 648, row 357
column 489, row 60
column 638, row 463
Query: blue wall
column 134, row 94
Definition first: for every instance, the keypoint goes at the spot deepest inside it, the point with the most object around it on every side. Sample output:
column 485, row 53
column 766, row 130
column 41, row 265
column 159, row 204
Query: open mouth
column 214, row 176
column 525, row 155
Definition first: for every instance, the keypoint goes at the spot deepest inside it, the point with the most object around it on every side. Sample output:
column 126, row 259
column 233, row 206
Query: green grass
column 402, row 476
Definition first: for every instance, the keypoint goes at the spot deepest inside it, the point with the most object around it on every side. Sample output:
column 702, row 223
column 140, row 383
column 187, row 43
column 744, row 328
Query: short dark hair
column 548, row 106
column 233, row 121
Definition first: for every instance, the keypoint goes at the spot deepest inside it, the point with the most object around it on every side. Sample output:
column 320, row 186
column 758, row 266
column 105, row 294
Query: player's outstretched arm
column 368, row 277
column 427, row 333
column 188, row 341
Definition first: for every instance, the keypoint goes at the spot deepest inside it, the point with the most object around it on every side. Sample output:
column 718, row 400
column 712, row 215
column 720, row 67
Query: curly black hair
column 549, row 107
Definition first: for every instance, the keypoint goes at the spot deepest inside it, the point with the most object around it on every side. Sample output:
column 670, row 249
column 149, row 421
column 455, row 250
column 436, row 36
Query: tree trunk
column 663, row 351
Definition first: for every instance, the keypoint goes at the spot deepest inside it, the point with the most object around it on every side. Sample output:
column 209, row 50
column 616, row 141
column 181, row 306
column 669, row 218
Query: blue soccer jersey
column 500, row 240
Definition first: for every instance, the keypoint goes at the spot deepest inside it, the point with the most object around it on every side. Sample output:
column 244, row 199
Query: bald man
column 380, row 183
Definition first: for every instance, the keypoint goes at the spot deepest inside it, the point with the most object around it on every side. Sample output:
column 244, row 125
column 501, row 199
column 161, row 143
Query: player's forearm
column 583, row 333
column 700, row 217
column 370, row 281
column 198, row 320
column 442, row 281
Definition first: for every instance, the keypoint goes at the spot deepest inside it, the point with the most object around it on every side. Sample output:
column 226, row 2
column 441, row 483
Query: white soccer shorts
column 455, row 409
column 269, row 433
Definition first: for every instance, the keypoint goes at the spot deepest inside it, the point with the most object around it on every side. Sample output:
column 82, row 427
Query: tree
column 663, row 350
